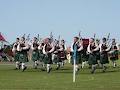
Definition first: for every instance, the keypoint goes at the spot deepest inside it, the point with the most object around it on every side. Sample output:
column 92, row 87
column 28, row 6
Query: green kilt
column 114, row 56
column 47, row 58
column 35, row 55
column 97, row 55
column 16, row 57
column 104, row 58
column 78, row 58
column 92, row 59
column 23, row 57
column 84, row 56
column 41, row 56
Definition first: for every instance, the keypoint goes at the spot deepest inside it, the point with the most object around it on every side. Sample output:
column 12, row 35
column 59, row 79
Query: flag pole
column 74, row 65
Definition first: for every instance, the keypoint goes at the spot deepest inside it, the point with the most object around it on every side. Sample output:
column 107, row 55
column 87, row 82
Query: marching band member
column 23, row 47
column 114, row 52
column 78, row 53
column 35, row 52
column 41, row 55
column 47, row 51
column 92, row 49
column 97, row 43
column 16, row 54
column 62, row 53
column 55, row 54
column 104, row 49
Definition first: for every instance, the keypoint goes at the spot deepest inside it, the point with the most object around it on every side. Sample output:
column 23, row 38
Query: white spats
column 23, row 66
column 17, row 64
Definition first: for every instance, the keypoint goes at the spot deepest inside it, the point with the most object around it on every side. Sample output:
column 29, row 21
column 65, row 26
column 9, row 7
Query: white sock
column 114, row 64
column 23, row 65
column 48, row 67
column 76, row 68
column 36, row 63
column 62, row 63
column 17, row 64
column 43, row 65
column 58, row 64
column 83, row 64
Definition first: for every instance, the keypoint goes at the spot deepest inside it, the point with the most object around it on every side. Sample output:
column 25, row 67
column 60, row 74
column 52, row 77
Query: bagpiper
column 104, row 49
column 59, row 54
column 23, row 48
column 97, row 43
column 47, row 51
column 55, row 54
column 79, row 46
column 92, row 50
column 41, row 55
column 16, row 54
column 35, row 52
column 114, row 53
column 62, row 52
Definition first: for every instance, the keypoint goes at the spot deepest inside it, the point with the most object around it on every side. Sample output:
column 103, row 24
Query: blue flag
column 75, row 52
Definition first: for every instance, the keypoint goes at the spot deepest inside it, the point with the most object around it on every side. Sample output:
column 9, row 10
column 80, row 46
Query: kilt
column 104, row 58
column 23, row 57
column 35, row 55
column 16, row 56
column 47, row 58
column 97, row 55
column 41, row 56
column 114, row 56
column 84, row 56
column 92, row 59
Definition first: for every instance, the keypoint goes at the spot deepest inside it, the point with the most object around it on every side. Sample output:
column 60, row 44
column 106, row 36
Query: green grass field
column 58, row 80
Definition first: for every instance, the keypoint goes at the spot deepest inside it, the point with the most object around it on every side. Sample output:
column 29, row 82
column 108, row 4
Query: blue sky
column 62, row 17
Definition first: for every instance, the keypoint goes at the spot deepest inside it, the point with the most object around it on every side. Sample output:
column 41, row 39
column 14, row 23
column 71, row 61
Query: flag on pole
column 74, row 67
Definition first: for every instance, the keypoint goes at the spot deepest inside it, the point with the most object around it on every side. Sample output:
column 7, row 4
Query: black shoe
column 89, row 67
column 24, row 69
column 19, row 67
column 92, row 72
column 35, row 68
column 58, row 67
column 16, row 69
column 104, row 69
column 42, row 69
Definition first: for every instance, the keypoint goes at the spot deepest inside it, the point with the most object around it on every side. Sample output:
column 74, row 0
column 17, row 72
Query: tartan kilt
column 47, row 58
column 35, row 55
column 23, row 57
column 16, row 57
column 114, row 56
column 92, row 59
column 84, row 57
column 78, row 58
column 104, row 58
column 97, row 55
column 41, row 56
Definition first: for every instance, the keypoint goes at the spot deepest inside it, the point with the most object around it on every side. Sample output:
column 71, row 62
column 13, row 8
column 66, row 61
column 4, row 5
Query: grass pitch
column 31, row 79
